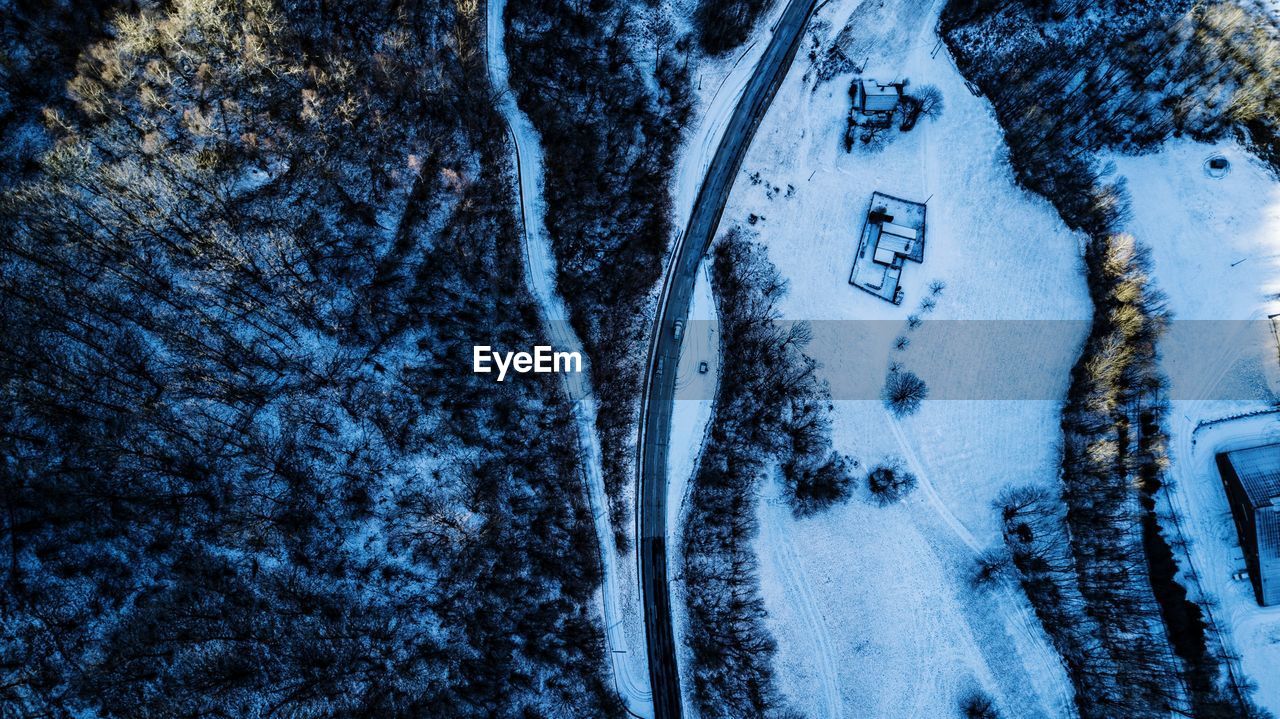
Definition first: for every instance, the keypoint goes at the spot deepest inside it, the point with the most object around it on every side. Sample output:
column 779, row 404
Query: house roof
column 893, row 243
column 884, row 256
column 900, row 231
column 877, row 97
column 1259, row 471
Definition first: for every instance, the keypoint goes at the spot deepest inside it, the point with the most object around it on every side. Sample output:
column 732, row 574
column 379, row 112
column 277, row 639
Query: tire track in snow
column 796, row 586
column 926, row 485
column 1010, row 604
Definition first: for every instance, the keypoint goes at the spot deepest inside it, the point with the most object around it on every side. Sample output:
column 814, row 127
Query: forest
column 245, row 471
column 1069, row 78
column 247, row 247
column 606, row 84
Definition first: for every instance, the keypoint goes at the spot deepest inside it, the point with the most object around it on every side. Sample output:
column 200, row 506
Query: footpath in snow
column 619, row 588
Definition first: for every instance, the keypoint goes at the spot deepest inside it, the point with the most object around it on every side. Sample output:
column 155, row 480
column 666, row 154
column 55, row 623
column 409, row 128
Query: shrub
column 812, row 488
column 889, row 482
column 909, row 110
column 978, row 705
column 989, row 568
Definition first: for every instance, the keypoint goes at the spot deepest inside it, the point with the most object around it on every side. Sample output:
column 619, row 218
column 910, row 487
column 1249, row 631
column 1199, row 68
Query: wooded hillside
column 246, row 469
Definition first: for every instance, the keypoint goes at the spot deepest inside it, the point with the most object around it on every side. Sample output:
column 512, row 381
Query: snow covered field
column 871, row 606
column 1216, row 254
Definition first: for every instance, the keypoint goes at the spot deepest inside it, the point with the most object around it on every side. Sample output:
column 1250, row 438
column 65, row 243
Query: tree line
column 607, row 86
column 1123, row 76
column 1095, row 560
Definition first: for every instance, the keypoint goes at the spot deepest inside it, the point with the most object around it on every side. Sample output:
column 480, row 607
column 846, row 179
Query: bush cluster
column 725, row 24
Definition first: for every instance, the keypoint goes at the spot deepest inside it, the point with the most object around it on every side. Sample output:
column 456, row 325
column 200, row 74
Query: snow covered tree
column 244, row 473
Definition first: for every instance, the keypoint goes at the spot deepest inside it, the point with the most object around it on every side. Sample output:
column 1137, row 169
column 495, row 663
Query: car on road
column 678, row 330
column 703, row 368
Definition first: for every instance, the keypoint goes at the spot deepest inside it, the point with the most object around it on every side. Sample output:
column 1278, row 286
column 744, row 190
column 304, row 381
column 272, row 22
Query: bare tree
column 889, row 482
column 903, row 392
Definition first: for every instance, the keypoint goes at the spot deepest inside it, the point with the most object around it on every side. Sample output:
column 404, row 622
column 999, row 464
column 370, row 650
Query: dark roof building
column 893, row 232
column 1252, row 480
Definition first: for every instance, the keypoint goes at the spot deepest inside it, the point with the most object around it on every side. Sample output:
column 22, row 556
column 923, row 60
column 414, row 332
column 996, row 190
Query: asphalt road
column 664, row 350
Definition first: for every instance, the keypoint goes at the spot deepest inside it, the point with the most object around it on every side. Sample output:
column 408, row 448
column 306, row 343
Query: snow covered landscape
column 929, row 359
column 619, row 599
column 861, row 588
column 1177, row 205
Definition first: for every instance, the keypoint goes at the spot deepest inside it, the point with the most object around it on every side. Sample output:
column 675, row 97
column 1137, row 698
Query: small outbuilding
column 876, row 98
column 1252, row 480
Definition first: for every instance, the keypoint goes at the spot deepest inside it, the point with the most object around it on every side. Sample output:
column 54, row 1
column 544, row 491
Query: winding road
column 664, row 348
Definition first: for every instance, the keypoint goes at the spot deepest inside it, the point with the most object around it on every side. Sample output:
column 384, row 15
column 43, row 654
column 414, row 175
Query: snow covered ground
column 871, row 606
column 1216, row 254
column 718, row 84
column 694, row 406
column 619, row 601
column 1268, row 6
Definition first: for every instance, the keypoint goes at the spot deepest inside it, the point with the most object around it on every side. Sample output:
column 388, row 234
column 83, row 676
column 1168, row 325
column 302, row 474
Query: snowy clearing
column 871, row 606
column 1216, row 254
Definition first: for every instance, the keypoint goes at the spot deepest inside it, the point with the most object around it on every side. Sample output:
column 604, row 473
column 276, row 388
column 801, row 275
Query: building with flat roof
column 1252, row 480
column 892, row 233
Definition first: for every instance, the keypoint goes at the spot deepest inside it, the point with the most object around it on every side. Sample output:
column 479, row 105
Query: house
column 892, row 234
column 875, row 98
column 1252, row 480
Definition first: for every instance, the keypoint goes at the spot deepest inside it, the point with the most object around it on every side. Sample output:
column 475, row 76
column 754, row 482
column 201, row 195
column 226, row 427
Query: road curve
column 664, row 350
column 629, row 671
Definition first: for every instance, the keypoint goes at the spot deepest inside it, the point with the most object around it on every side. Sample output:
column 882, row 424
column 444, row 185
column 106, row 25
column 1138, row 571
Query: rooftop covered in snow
column 892, row 233
column 872, row 96
column 1252, row 480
